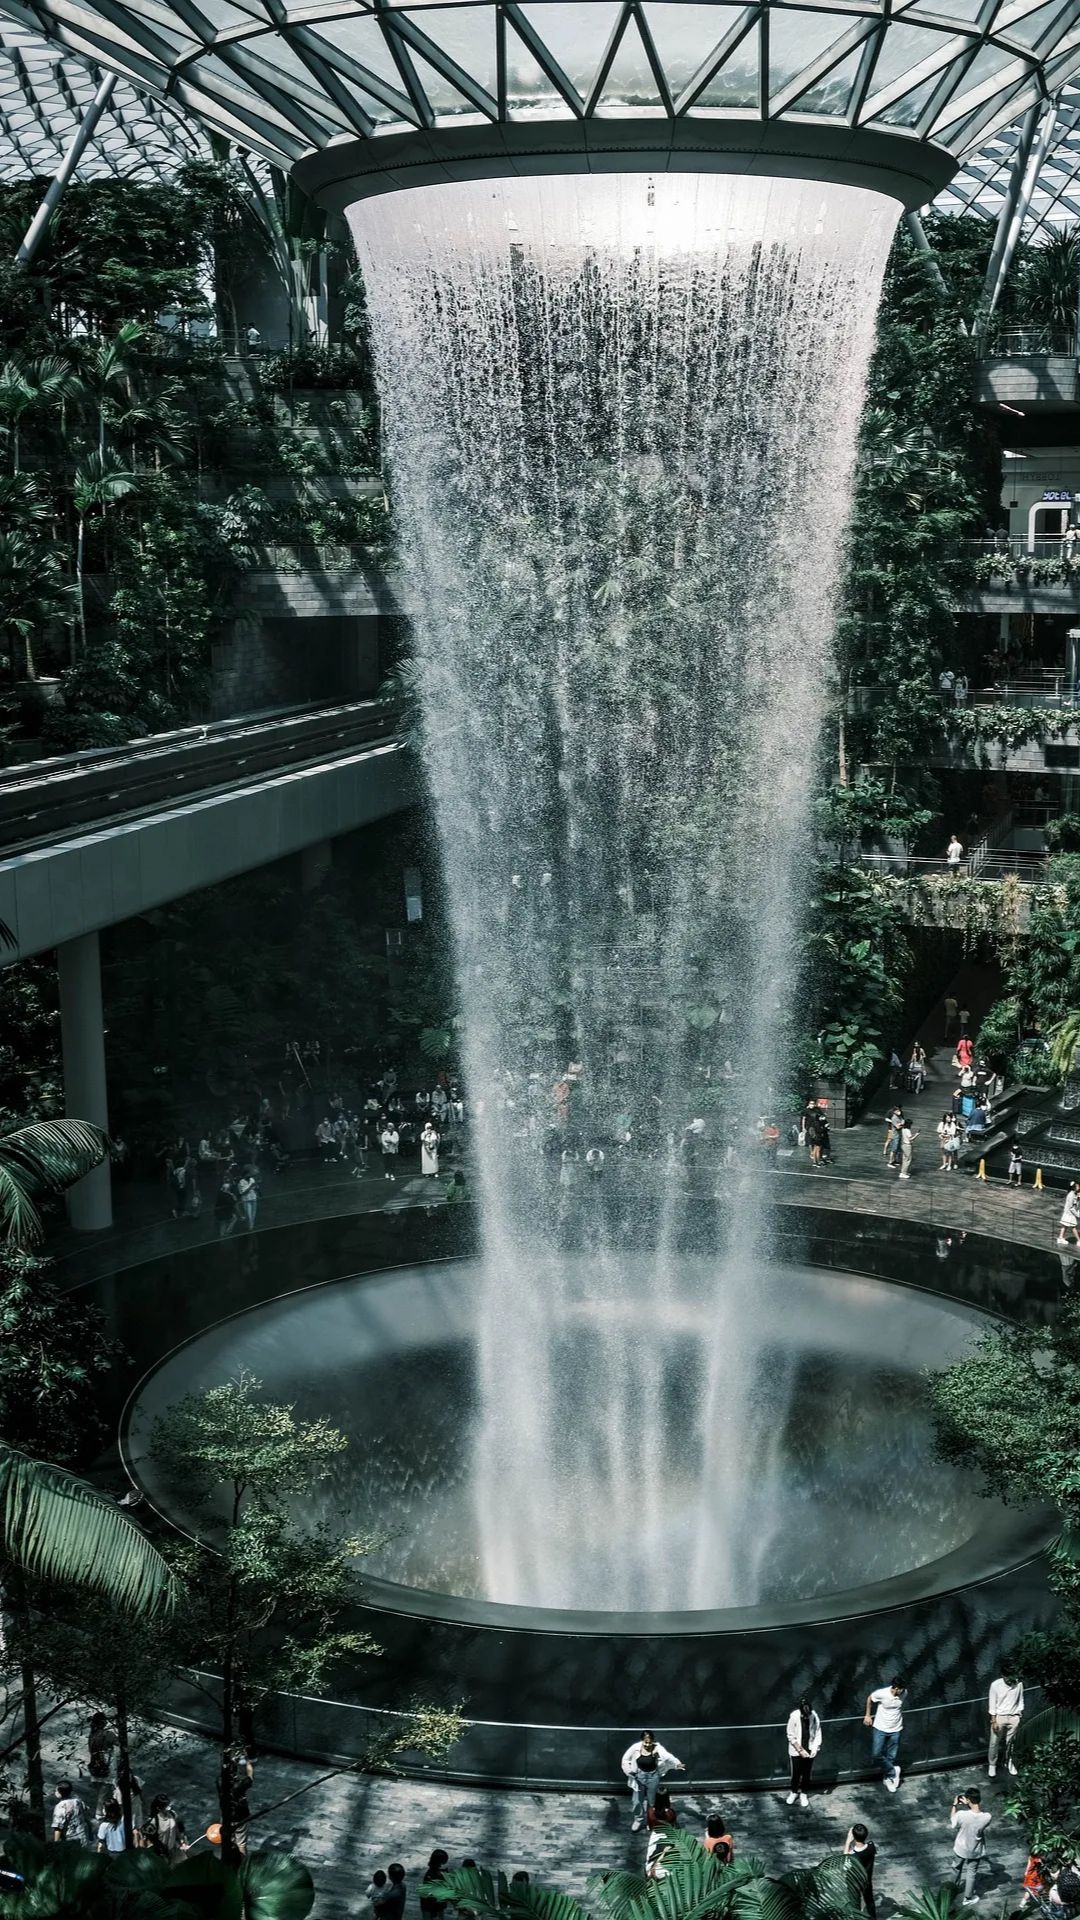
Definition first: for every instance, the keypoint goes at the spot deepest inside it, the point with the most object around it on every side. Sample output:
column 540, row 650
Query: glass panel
column 796, row 37
column 967, row 13
column 361, row 39
column 905, row 49
column 576, row 35
column 832, row 94
column 906, row 111
column 325, row 48
column 685, row 35
column 737, row 83
column 1033, row 26
column 443, row 97
column 631, row 83
column 527, row 85
column 987, row 65
column 222, row 13
column 468, row 36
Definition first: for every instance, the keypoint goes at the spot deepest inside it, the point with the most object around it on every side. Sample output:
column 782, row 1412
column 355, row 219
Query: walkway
column 350, row 1825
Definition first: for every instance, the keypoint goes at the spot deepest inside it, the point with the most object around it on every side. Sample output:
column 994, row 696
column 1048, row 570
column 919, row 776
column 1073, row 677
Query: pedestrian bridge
column 94, row 838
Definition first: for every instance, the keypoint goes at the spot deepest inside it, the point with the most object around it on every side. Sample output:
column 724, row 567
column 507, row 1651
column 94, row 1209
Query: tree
column 99, row 482
column 265, row 1597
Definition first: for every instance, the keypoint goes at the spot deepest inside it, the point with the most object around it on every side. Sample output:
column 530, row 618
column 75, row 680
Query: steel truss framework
column 44, row 94
column 985, row 182
column 287, row 78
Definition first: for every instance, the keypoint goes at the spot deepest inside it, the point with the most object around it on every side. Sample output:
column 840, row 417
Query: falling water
column 621, row 416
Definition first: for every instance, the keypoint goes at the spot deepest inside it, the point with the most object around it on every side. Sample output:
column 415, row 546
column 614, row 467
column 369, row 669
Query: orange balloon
column 213, row 1834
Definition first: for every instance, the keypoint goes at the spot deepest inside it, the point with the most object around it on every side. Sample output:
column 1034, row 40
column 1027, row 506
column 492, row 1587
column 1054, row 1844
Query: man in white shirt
column 885, row 1714
column 1006, row 1707
column 645, row 1764
column 969, row 1847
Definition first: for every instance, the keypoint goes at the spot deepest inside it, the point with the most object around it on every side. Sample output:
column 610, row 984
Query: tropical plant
column 58, row 1528
column 41, row 1160
column 101, row 480
column 689, row 1884
column 70, row 1883
column 931, row 1903
column 1064, row 1039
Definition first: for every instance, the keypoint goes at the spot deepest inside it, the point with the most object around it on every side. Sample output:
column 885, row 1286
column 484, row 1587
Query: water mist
column 621, row 416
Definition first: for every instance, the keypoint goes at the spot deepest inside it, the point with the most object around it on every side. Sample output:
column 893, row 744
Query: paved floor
column 345, row 1827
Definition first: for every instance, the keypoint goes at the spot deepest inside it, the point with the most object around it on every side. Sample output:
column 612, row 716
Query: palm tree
column 57, row 1528
column 105, row 371
column 42, row 1159
column 1064, row 1040
column 26, row 384
column 99, row 481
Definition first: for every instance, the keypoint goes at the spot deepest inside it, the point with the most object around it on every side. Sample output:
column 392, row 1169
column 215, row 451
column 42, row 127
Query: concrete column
column 82, row 1035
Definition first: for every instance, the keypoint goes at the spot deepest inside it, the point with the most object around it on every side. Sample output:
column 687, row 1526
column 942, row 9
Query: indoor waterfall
column 621, row 415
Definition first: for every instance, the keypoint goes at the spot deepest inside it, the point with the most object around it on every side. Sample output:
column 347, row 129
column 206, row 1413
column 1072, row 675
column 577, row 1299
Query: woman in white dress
column 429, row 1152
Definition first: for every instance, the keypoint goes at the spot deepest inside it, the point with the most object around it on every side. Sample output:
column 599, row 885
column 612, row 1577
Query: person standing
column 1016, row 1165
column 907, row 1143
column 1070, row 1217
column 247, row 1192
column 885, row 1715
column 803, row 1745
column 859, row 1846
column 969, row 1823
column 434, row 1876
column 100, row 1743
column 164, row 1833
column 70, row 1820
column 1006, row 1703
column 110, row 1833
column 952, row 1014
column 645, row 1763
column 894, row 1121
column 429, row 1152
column 389, row 1141
column 917, row 1070
column 954, row 853
column 389, row 1903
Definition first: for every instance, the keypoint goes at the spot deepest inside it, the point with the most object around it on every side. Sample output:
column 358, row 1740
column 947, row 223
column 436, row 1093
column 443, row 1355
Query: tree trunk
column 35, row 1776
column 123, row 1766
column 79, row 596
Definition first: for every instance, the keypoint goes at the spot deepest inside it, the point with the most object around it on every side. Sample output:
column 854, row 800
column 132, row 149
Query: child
column 1016, row 1165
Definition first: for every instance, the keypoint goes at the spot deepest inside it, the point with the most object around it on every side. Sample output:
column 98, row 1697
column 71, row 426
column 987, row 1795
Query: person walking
column 1006, row 1704
column 645, row 1763
column 100, row 1743
column 803, row 1745
column 885, row 1715
column 859, row 1846
column 70, row 1819
column 226, row 1209
column 907, row 1143
column 1016, row 1165
column 952, row 1014
column 429, row 1152
column 389, row 1141
column 969, row 1823
column 1070, row 1217
column 894, row 1121
column 917, row 1069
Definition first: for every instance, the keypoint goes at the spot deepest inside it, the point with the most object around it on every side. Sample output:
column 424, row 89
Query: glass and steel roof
column 289, row 78
column 982, row 186
column 44, row 93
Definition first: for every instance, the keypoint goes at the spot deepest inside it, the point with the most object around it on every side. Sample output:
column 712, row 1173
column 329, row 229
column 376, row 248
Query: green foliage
column 1010, row 1412
column 39, row 1161
column 1063, row 834
column 312, row 367
column 1008, row 726
column 931, row 1903
column 1045, row 1798
column 64, row 1532
column 849, row 815
column 855, row 960
column 55, row 1357
column 70, row 1883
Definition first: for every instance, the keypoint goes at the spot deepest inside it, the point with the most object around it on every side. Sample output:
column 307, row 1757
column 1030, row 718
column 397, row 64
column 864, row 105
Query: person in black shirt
column 389, row 1902
column 860, row 1847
